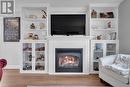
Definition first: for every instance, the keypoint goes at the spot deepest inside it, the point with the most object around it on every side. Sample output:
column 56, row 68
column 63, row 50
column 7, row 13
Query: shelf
column 110, row 51
column 31, row 41
column 104, row 26
column 29, row 62
column 27, row 51
column 103, row 19
column 34, row 33
column 100, row 41
column 97, row 51
column 37, row 19
column 106, row 29
column 40, row 51
column 36, row 30
column 97, row 60
column 40, row 62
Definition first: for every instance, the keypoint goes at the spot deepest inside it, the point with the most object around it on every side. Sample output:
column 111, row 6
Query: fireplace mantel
column 73, row 37
column 68, row 42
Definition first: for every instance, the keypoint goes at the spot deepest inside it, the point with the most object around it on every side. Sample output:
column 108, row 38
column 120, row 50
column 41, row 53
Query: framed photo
column 110, row 14
column 113, row 35
column 11, row 29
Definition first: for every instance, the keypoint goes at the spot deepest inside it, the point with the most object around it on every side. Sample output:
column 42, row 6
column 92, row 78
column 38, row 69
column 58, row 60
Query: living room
column 61, row 42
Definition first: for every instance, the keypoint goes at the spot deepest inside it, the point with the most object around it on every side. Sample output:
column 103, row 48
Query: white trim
column 68, row 10
column 37, row 4
column 12, row 67
column 104, row 4
column 68, row 42
column 68, row 73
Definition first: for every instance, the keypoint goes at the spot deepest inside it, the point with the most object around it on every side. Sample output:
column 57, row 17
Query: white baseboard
column 12, row 67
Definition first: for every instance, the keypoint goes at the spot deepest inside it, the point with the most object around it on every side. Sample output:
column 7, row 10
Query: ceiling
column 71, row 3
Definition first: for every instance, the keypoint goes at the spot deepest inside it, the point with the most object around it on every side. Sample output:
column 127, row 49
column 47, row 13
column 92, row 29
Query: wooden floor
column 12, row 78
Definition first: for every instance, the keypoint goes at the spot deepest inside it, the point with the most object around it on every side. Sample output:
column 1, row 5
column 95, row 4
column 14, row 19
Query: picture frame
column 11, row 29
column 113, row 35
column 103, row 15
column 110, row 15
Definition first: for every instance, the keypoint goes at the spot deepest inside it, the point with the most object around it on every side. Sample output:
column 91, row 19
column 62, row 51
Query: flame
column 68, row 60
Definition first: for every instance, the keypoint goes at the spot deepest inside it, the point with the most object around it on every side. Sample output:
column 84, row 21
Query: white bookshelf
column 34, row 23
column 104, row 32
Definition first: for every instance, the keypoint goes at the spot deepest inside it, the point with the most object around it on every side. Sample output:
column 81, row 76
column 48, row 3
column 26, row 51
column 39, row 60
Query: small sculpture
column 30, row 57
column 32, row 26
column 30, row 36
column 35, row 37
column 109, row 25
column 44, row 14
column 42, row 25
column 94, row 14
column 32, row 16
column 99, row 37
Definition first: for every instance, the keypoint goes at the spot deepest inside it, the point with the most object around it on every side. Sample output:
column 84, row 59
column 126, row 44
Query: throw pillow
column 122, row 60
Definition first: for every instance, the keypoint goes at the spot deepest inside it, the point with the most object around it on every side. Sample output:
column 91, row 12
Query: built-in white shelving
column 34, row 21
column 104, row 32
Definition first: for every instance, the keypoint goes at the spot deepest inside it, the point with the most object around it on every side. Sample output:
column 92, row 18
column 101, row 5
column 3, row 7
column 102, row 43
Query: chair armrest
column 129, row 74
column 3, row 63
column 107, row 60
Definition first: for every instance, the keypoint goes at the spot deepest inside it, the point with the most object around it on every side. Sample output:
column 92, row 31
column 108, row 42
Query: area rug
column 69, row 86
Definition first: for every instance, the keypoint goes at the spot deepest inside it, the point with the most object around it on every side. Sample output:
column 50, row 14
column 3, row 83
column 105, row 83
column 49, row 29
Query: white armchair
column 111, row 76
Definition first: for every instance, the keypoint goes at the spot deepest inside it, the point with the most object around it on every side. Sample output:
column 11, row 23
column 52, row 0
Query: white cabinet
column 34, row 23
column 104, row 32
column 34, row 57
column 101, row 48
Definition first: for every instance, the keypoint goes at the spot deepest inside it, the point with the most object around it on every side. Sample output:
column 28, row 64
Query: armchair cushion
column 118, row 69
column 114, row 75
column 115, row 70
column 120, row 64
column 107, row 60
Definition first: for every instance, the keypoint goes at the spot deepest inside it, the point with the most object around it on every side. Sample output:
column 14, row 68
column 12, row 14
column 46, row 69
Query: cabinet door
column 27, row 56
column 97, row 53
column 110, row 49
column 39, row 56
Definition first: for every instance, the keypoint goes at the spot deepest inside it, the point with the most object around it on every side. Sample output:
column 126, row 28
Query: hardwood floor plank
column 12, row 78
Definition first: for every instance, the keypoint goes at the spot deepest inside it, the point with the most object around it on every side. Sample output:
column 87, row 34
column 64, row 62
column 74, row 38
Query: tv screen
column 68, row 24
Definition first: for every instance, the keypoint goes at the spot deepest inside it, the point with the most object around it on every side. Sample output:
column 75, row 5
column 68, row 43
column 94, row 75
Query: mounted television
column 68, row 24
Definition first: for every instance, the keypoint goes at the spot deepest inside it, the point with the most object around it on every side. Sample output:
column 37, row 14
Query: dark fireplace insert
column 69, row 59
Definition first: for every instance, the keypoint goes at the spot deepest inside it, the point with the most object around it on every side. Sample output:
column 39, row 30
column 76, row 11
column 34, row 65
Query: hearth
column 69, row 60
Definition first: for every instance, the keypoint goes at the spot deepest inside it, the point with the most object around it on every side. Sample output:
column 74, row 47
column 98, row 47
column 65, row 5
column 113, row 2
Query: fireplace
column 69, row 60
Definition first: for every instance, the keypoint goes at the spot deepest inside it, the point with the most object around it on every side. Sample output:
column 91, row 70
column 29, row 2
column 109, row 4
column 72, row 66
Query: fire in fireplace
column 68, row 60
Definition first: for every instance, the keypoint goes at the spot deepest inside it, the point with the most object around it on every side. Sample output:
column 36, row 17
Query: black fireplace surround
column 69, row 60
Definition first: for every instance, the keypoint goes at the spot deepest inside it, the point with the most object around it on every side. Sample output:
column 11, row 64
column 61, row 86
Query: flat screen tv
column 68, row 24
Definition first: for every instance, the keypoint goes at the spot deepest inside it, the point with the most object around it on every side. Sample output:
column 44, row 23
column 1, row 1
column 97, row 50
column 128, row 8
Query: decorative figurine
column 94, row 14
column 32, row 26
column 99, row 37
column 44, row 14
column 30, row 57
column 42, row 25
column 30, row 36
column 32, row 16
column 35, row 37
column 109, row 24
